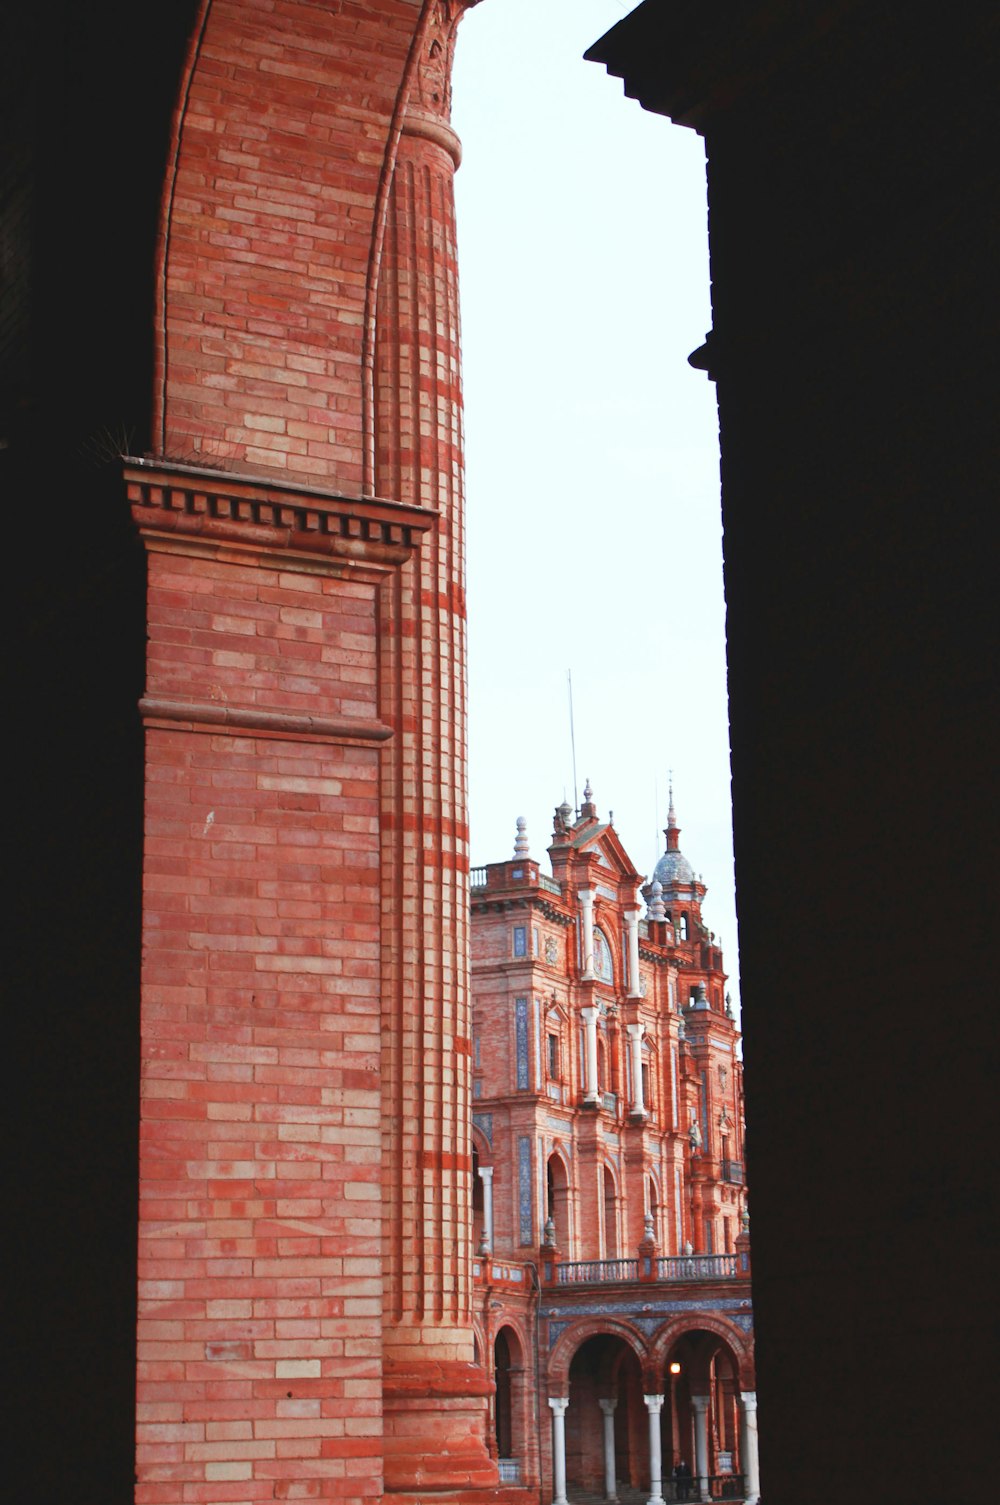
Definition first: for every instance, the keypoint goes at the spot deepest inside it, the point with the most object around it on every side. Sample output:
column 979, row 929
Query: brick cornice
column 205, row 511
column 211, row 716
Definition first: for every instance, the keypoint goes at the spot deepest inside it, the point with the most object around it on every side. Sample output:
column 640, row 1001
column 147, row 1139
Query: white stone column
column 610, row 1479
column 749, row 1460
column 589, row 1017
column 699, row 1404
column 559, row 1450
column 587, row 928
column 632, row 921
column 635, row 1045
column 654, row 1405
column 486, row 1176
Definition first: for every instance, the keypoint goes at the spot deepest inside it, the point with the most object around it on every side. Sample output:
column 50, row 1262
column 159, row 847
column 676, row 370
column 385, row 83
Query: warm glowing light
column 675, row 1368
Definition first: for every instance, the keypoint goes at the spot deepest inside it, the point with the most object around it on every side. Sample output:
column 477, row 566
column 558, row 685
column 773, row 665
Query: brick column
column 434, row 1396
column 259, row 1338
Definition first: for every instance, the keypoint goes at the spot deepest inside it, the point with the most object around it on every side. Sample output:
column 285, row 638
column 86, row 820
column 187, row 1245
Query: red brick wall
column 261, row 1217
column 305, row 1240
column 269, row 206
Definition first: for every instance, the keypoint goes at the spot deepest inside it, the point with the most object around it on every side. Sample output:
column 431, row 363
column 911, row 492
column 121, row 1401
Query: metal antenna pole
column 572, row 739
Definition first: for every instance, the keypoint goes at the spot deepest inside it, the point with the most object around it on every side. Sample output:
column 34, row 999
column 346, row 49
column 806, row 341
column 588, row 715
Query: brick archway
column 306, row 844
column 738, row 1343
column 578, row 1332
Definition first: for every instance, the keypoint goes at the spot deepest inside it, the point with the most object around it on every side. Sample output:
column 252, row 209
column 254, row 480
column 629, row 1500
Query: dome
column 673, row 868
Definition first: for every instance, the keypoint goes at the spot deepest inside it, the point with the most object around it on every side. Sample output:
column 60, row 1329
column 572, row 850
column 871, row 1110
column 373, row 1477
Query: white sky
column 595, row 537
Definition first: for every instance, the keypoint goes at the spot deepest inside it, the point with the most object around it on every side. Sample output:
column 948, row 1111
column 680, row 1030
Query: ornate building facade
column 613, row 1275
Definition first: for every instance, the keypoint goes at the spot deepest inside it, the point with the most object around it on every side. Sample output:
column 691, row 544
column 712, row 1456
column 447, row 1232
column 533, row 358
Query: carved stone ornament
column 433, row 81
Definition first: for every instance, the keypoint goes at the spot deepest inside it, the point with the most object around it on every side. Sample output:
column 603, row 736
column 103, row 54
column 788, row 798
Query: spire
column 521, row 848
column 672, row 830
column 673, row 869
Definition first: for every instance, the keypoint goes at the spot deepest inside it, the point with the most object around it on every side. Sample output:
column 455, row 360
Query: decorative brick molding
column 214, row 508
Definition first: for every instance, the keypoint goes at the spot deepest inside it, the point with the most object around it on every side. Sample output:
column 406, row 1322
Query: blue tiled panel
column 521, row 1025
column 524, row 1188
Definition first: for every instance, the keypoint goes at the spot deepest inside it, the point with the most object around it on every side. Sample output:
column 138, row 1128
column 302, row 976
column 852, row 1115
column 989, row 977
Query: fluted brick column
column 434, row 1397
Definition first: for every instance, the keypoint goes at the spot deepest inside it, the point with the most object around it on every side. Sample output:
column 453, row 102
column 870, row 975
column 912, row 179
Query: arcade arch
column 606, row 1428
column 703, row 1412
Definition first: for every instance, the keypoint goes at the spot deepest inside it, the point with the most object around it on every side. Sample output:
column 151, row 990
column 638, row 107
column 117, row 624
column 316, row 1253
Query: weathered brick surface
column 305, row 1328
column 259, row 1281
column 271, row 205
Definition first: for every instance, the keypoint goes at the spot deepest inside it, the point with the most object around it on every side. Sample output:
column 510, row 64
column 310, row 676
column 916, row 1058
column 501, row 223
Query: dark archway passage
column 701, row 1416
column 605, row 1369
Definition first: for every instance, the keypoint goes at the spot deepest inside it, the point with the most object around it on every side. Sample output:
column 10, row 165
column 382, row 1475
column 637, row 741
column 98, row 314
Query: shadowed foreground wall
column 852, row 203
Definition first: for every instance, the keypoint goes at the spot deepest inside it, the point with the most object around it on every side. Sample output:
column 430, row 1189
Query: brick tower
column 613, row 1277
column 304, row 1244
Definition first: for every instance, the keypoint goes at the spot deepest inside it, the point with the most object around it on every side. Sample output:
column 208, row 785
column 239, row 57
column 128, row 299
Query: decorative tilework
column 521, row 1027
column 484, row 1123
column 649, row 1315
column 524, row 1187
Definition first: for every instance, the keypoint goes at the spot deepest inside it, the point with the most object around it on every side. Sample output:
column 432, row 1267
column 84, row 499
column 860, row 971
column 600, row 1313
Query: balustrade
column 697, row 1267
column 596, row 1271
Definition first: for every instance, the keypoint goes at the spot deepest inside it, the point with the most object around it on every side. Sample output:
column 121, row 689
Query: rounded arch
column 608, row 1192
column 603, row 1063
column 604, row 955
column 574, row 1337
column 557, row 1194
column 649, row 1057
column 482, row 1150
column 739, row 1343
column 606, row 1163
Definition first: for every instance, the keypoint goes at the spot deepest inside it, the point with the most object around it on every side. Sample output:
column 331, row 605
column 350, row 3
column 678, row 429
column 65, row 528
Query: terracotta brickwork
column 608, row 1129
column 305, row 1325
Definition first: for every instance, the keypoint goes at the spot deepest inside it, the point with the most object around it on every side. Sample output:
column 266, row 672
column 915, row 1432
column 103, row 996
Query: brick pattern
column 260, row 1297
column 279, row 146
column 418, row 438
column 304, row 1245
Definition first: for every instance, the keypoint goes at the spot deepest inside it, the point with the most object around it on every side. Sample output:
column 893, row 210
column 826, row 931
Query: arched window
column 501, row 1373
column 478, row 1200
column 557, row 1199
column 683, row 928
column 603, row 965
column 610, row 1214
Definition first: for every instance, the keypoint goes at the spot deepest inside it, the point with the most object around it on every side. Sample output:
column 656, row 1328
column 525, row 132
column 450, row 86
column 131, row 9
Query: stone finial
column 729, row 1006
column 549, row 1236
column 647, row 1231
column 656, row 909
column 588, row 808
column 521, row 848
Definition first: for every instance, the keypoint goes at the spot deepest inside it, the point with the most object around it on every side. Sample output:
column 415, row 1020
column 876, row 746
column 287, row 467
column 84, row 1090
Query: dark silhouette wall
column 851, row 200
column 87, row 96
